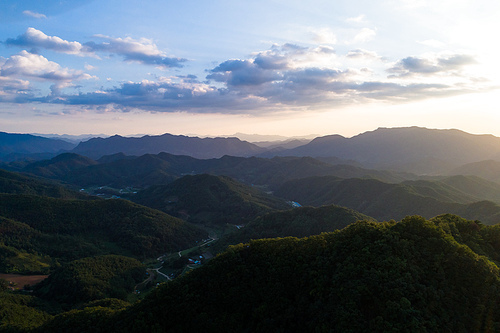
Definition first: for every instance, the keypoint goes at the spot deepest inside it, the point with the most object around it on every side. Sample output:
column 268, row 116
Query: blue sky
column 268, row 67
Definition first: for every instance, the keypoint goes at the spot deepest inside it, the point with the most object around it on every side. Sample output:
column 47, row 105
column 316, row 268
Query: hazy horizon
column 251, row 137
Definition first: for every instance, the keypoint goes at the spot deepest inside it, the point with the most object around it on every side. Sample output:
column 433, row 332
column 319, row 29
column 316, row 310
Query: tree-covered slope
column 458, row 188
column 488, row 169
column 59, row 166
column 208, row 199
column 20, row 313
column 385, row 201
column 411, row 276
column 148, row 170
column 92, row 278
column 297, row 222
column 16, row 183
column 140, row 171
column 106, row 226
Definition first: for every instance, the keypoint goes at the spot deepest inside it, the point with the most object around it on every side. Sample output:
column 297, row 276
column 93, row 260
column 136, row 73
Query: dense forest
column 208, row 199
column 414, row 275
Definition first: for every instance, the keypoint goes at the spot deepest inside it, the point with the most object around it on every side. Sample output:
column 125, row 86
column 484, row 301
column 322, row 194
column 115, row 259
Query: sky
column 273, row 67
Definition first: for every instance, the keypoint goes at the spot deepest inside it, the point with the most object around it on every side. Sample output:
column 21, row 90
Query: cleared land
column 19, row 281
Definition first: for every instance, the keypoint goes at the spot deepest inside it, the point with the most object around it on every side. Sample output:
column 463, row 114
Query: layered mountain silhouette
column 385, row 201
column 17, row 146
column 16, row 183
column 488, row 169
column 208, row 199
column 173, row 144
column 412, row 149
column 121, row 171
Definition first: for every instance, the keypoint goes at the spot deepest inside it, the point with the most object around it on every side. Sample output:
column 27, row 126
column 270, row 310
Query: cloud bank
column 284, row 77
column 142, row 51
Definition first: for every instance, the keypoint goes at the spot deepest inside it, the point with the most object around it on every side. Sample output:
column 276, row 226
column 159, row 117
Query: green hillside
column 412, row 276
column 149, row 170
column 141, row 171
column 20, row 313
column 92, row 278
column 488, row 169
column 459, row 188
column 16, row 183
column 385, row 201
column 297, row 222
column 59, row 166
column 210, row 200
column 70, row 229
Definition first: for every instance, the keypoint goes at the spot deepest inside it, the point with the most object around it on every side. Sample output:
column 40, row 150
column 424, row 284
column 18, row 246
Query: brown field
column 21, row 280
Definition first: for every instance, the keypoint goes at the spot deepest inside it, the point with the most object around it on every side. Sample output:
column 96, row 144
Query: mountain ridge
column 412, row 149
column 169, row 143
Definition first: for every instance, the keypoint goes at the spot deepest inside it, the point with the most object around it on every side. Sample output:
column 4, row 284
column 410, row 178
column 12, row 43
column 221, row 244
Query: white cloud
column 433, row 43
column 324, row 36
column 281, row 77
column 364, row 35
column 25, row 64
column 363, row 54
column 139, row 50
column 36, row 39
column 16, row 70
column 357, row 19
column 439, row 65
column 285, row 76
column 34, row 14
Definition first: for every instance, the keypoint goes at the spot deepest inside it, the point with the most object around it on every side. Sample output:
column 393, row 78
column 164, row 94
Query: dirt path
column 150, row 278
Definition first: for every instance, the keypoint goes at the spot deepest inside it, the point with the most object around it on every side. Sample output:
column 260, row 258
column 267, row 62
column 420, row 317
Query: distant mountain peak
column 169, row 143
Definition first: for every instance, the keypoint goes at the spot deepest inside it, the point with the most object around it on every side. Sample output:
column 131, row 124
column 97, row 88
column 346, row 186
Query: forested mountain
column 59, row 166
column 16, row 183
column 122, row 171
column 13, row 146
column 411, row 149
column 385, row 201
column 488, row 169
column 92, row 278
column 173, row 144
column 416, row 275
column 142, row 171
column 72, row 229
column 298, row 222
column 207, row 199
column 459, row 188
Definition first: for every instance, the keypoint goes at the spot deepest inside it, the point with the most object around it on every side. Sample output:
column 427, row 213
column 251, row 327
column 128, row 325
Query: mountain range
column 410, row 149
column 383, row 201
column 18, row 146
column 173, row 144
column 147, row 170
column 232, row 222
